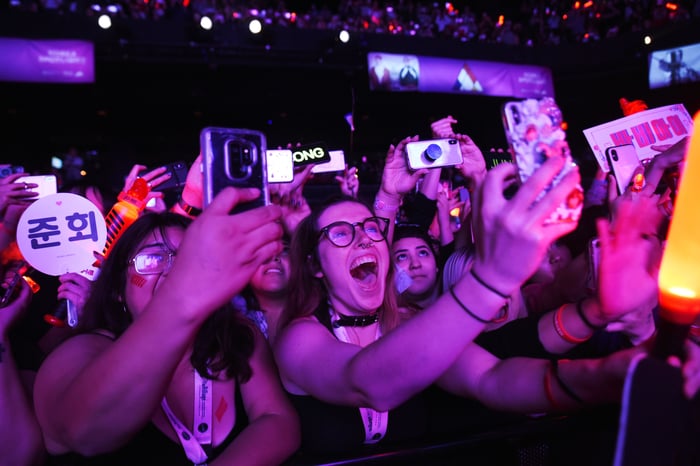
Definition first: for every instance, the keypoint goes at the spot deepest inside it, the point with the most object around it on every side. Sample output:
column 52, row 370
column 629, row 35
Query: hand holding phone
column 46, row 184
column 624, row 163
column 534, row 132
column 12, row 281
column 178, row 174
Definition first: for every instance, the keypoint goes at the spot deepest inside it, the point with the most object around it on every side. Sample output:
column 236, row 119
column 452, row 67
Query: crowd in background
column 529, row 22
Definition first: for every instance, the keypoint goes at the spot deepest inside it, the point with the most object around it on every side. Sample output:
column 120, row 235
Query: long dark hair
column 224, row 343
column 307, row 293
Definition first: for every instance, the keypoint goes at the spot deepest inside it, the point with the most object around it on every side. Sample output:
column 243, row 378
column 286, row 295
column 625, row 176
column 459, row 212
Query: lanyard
column 192, row 443
column 374, row 422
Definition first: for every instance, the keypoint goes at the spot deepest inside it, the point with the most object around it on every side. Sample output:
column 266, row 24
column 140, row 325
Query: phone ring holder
column 433, row 152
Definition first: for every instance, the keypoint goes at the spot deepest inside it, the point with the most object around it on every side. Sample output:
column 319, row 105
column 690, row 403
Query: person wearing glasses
column 356, row 365
column 170, row 373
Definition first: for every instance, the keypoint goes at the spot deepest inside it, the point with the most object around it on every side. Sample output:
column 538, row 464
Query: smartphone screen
column 336, row 164
column 234, row 157
column 280, row 166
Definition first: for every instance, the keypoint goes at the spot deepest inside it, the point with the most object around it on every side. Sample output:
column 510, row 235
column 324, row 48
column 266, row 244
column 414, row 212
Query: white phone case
column 623, row 162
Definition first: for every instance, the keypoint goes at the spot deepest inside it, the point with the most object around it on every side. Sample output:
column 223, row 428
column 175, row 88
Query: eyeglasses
column 150, row 263
column 342, row 234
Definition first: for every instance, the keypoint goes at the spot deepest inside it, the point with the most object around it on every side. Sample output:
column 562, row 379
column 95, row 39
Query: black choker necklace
column 355, row 321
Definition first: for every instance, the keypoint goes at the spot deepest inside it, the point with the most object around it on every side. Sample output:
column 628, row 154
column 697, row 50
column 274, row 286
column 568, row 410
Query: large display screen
column 47, row 61
column 674, row 66
column 400, row 73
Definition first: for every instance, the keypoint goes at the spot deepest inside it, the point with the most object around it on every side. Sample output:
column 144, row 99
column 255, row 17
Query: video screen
column 418, row 73
column 674, row 66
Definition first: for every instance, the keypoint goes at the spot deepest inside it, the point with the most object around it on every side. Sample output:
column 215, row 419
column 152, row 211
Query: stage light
column 647, row 40
column 255, row 26
column 206, row 23
column 344, row 36
column 104, row 21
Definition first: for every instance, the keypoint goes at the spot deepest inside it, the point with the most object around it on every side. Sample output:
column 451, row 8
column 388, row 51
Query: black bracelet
column 465, row 308
column 189, row 210
column 564, row 387
column 487, row 286
column 579, row 311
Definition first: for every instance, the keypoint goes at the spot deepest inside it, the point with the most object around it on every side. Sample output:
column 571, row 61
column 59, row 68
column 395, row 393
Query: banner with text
column 390, row 72
column 47, row 61
column 656, row 126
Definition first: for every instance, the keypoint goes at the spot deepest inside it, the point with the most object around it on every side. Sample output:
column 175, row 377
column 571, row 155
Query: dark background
column 158, row 84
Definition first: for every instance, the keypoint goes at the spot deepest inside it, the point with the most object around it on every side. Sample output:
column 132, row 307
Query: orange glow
column 671, row 6
column 577, row 5
column 455, row 212
column 501, row 19
column 679, row 278
column 638, row 182
column 588, row 4
column 564, row 125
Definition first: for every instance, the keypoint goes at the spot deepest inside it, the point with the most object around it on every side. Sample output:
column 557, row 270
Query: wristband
column 188, row 209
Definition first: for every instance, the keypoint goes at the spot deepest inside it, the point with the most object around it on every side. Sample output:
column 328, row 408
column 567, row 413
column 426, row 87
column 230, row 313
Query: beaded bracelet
column 465, row 308
column 486, row 285
column 579, row 311
column 561, row 331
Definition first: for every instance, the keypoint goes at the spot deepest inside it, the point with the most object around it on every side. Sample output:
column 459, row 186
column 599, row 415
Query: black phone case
column 178, row 176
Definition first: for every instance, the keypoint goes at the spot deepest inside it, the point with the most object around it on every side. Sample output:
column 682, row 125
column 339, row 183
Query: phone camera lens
column 433, row 152
column 452, row 142
column 613, row 153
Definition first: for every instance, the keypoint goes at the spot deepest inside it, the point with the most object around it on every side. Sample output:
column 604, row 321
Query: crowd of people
column 333, row 325
column 530, row 22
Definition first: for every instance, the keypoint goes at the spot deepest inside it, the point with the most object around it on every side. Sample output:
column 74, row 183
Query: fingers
column 538, row 182
column 230, row 197
column 567, row 188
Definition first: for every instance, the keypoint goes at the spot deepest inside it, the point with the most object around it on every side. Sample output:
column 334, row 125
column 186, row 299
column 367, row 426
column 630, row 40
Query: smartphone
column 178, row 176
column 316, row 152
column 46, row 184
column 624, row 163
column 593, row 262
column 280, row 166
column 336, row 164
column 534, row 133
column 234, row 157
column 433, row 153
column 10, row 285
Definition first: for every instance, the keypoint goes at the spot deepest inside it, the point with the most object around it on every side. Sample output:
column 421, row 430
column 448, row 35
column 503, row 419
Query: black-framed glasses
column 150, row 263
column 342, row 234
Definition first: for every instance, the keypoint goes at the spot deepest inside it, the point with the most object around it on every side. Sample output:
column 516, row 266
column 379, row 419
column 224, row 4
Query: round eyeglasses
column 150, row 263
column 342, row 234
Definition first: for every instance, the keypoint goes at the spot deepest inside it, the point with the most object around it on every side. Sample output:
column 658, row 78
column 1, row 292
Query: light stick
column 679, row 278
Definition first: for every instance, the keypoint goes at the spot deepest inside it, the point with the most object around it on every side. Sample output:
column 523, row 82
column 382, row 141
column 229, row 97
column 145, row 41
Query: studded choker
column 355, row 321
